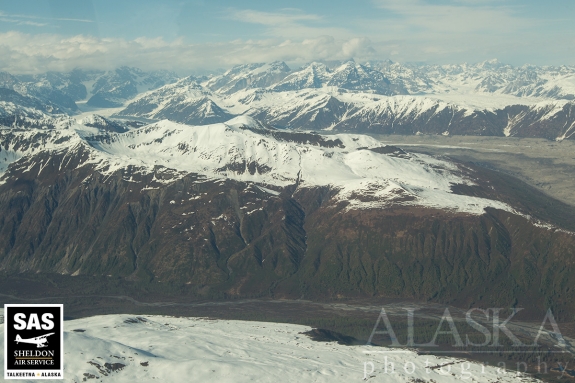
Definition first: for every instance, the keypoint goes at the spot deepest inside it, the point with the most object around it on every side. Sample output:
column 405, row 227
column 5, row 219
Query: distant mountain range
column 488, row 99
column 101, row 89
column 382, row 97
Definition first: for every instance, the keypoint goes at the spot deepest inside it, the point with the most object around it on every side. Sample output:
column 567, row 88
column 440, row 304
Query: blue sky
column 196, row 35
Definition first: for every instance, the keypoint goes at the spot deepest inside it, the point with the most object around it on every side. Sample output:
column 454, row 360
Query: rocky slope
column 241, row 210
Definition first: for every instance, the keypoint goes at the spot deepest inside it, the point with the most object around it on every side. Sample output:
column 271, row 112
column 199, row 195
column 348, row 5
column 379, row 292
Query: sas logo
column 33, row 341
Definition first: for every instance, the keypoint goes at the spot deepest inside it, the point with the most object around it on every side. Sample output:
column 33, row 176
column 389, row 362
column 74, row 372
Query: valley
column 547, row 165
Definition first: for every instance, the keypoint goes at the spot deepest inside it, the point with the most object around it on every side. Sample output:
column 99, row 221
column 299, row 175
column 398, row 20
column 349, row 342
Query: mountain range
column 217, row 187
column 489, row 98
column 100, row 89
column 485, row 99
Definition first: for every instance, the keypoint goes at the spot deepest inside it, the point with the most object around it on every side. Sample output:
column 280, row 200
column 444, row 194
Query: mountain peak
column 243, row 121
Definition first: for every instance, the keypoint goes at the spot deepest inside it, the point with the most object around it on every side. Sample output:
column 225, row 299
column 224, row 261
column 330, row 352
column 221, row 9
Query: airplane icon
column 40, row 341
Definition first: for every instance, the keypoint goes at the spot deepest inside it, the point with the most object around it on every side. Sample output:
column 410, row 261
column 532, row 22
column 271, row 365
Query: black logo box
column 53, row 345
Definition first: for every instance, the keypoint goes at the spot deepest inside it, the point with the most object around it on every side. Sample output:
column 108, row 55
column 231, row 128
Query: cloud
column 405, row 30
column 286, row 17
column 464, row 30
column 358, row 46
column 288, row 23
column 8, row 19
column 76, row 20
column 23, row 19
column 455, row 17
column 26, row 53
column 424, row 30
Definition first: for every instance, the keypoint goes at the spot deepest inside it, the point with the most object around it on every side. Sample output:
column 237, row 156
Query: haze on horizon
column 195, row 36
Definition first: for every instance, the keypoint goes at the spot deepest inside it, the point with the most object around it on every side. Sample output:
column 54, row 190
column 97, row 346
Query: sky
column 204, row 36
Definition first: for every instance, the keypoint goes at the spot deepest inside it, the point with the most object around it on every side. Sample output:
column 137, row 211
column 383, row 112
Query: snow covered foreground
column 125, row 348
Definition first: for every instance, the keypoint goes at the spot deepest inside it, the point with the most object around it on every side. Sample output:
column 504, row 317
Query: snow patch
column 124, row 348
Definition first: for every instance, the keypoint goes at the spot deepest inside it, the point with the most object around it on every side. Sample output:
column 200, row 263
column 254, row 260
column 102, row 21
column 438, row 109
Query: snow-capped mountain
column 54, row 99
column 486, row 77
column 100, row 88
column 61, row 90
column 242, row 149
column 13, row 100
column 553, row 120
column 243, row 209
column 72, row 83
column 278, row 76
column 307, row 109
column 208, row 189
column 113, row 88
column 314, row 75
column 248, row 76
column 488, row 98
column 20, row 111
column 185, row 101
column 320, row 106
column 356, row 77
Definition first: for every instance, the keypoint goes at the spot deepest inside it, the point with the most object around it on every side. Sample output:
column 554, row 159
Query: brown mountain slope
column 224, row 238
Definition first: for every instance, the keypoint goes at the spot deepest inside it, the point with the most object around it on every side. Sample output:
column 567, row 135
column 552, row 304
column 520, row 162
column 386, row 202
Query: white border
column 61, row 371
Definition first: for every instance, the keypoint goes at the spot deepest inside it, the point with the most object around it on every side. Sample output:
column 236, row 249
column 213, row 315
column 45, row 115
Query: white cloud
column 289, row 23
column 355, row 47
column 22, row 19
column 426, row 30
column 7, row 19
column 287, row 16
column 464, row 30
column 458, row 17
column 405, row 30
column 24, row 53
